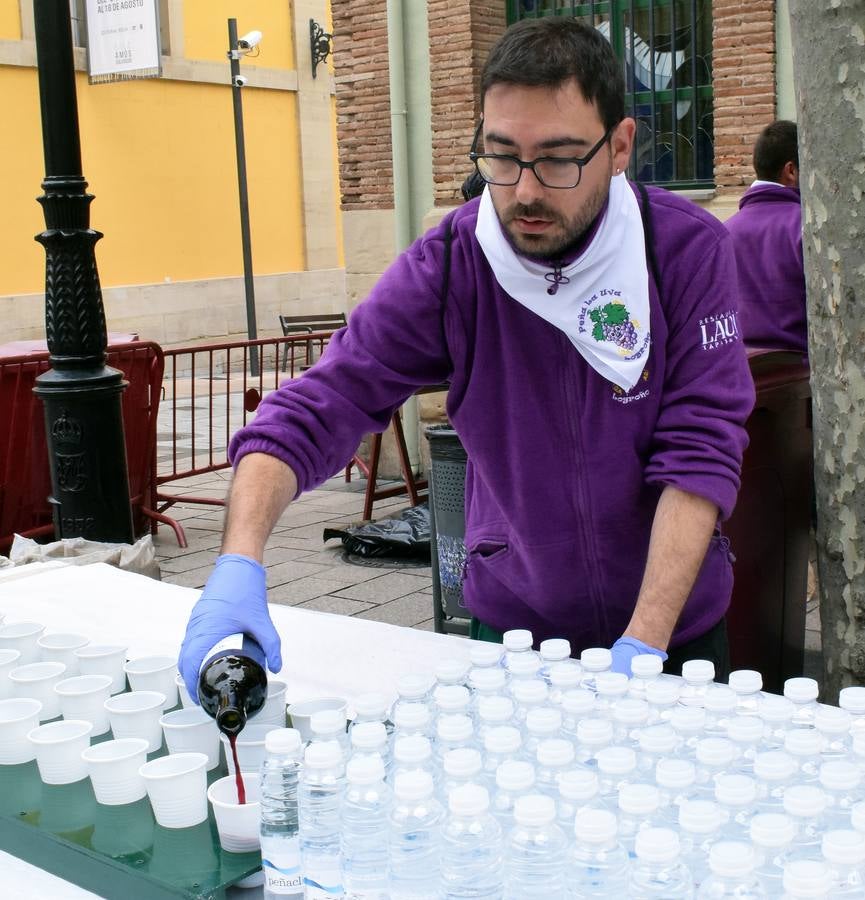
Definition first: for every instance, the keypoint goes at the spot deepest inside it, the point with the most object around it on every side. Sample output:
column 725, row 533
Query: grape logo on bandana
column 612, row 323
column 719, row 330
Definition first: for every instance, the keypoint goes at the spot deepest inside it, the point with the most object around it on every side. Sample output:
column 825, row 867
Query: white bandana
column 600, row 301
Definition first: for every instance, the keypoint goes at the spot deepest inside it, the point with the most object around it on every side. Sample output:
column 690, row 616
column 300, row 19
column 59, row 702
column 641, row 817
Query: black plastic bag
column 405, row 537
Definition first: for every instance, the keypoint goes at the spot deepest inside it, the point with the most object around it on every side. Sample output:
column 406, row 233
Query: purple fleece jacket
column 767, row 240
column 565, row 469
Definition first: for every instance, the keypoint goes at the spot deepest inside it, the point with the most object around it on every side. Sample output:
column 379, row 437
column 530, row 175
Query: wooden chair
column 309, row 324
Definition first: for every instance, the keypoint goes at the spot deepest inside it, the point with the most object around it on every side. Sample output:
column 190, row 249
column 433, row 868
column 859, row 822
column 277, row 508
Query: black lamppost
column 81, row 395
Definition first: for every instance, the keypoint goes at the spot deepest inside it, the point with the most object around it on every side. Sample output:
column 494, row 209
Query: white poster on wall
column 122, row 40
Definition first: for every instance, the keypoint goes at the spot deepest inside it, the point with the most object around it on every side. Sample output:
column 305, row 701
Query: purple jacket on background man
column 767, row 238
column 565, row 469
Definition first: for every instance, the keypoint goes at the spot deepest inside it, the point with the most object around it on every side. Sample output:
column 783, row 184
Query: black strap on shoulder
column 446, row 262
column 649, row 233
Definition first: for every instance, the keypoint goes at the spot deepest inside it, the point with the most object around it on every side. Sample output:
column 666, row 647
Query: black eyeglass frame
column 581, row 161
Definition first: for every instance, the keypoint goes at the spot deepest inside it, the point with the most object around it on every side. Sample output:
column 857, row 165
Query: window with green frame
column 666, row 50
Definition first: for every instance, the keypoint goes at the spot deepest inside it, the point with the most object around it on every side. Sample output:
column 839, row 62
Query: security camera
column 250, row 40
column 240, row 81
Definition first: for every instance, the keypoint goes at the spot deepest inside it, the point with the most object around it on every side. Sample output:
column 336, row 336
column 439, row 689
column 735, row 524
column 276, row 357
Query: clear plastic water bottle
column 562, row 677
column 493, row 712
column 594, row 660
column 806, row 878
column 720, row 703
column 535, row 856
column 412, row 719
column 732, row 864
column 748, row 686
column 500, row 745
column 736, row 796
column 363, row 820
column 639, row 806
column 514, row 779
column 805, row 746
column 371, row 707
column 413, row 754
column 525, row 667
column 658, row 871
column 746, row 733
column 554, row 652
column 322, row 785
column 714, row 757
column 485, row 655
column 576, row 705
column 676, row 780
column 772, row 834
column 841, row 782
column 414, row 689
column 487, row 682
column 330, row 725
column 857, row 817
column 452, row 671
column 598, row 866
column 616, row 767
column 834, row 727
column 689, row 723
column 805, row 804
column 452, row 699
column 461, row 767
column 370, row 738
column 776, row 714
column 593, row 735
column 662, row 696
column 656, row 743
column 518, row 644
column 414, row 839
column 579, row 790
column 852, row 700
column 471, row 847
column 699, row 824
column 280, row 845
column 697, row 675
column 775, row 771
column 453, row 733
column 645, row 669
column 542, row 723
column 527, row 694
column 554, row 757
column 629, row 716
column 803, row 693
column 609, row 687
column 844, row 854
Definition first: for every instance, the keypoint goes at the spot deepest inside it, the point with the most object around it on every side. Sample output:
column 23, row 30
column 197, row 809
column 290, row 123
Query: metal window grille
column 666, row 51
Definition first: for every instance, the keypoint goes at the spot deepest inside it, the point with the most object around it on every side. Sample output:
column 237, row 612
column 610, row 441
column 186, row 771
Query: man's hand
column 626, row 648
column 233, row 601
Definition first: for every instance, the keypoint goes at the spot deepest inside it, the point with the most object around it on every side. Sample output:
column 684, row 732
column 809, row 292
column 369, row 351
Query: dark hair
column 776, row 146
column 550, row 51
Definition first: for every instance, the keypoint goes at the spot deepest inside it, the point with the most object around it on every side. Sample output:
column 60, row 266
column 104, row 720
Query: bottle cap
column 492, row 710
column 580, row 785
column 282, row 740
column 368, row 736
column 524, row 665
column 596, row 659
column 698, row 671
column 528, row 692
column 745, row 681
column 774, row 765
column 417, row 785
column 658, row 739
column 715, row 752
column 534, row 810
column 452, row 671
column 657, row 845
column 452, row 698
column 484, row 653
column 503, row 739
column 555, row 650
column 612, row 684
column 630, row 711
column 327, row 721
column 594, row 732
column 488, row 680
column 517, row 639
column 839, row 775
column 735, row 790
column 412, row 750
column 852, row 699
column 720, row 699
column 647, row 665
column 844, row 847
column 595, row 826
column 616, row 760
column 515, row 775
column 772, row 830
column 464, row 762
column 662, row 693
column 638, row 799
column 775, row 710
column 543, row 720
column 468, row 800
column 801, row 690
column 579, row 702
column 565, row 675
column 411, row 716
column 745, row 729
column 803, row 742
column 732, row 859
column 804, row 801
column 371, row 704
column 366, row 769
column 675, row 774
column 830, row 720
column 322, row 755
column 857, row 816
column 688, row 719
column 555, row 752
column 454, row 727
column 414, row 686
column 699, row 816
column 806, row 878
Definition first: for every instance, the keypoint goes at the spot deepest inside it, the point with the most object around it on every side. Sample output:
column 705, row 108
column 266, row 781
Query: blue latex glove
column 233, row 600
column 626, row 648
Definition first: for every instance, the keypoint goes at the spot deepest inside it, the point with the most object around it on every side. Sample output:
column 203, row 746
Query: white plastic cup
column 61, row 648
column 83, row 697
column 9, row 660
column 273, row 711
column 177, row 788
column 114, row 770
column 250, row 747
column 154, row 673
column 185, row 700
column 301, row 713
column 59, row 746
column 137, row 714
column 23, row 637
column 238, row 824
column 37, row 681
column 104, row 659
column 192, row 731
column 18, row 717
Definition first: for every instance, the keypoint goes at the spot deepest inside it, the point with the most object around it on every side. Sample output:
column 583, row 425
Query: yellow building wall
column 10, row 21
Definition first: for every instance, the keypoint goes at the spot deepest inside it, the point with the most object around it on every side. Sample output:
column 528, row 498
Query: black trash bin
column 447, row 479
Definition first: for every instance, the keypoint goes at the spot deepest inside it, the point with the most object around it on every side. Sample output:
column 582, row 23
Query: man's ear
column 622, row 143
column 790, row 175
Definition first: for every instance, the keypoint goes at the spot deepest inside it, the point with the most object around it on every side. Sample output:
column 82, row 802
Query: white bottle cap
column 417, row 785
column 534, row 810
column 524, row 665
column 452, row 671
column 675, row 774
column 657, row 845
column 412, row 750
column 806, row 878
column 366, row 769
column 580, row 785
column 515, row 775
column 529, row 692
column 803, row 742
column 468, row 800
column 612, row 684
column 368, row 736
column 804, row 801
column 735, row 790
column 853, row 700
column 454, row 728
column 647, row 665
column 493, row 710
column 464, row 762
column 830, row 720
column 715, row 752
column 503, row 739
column 774, row 709
column 839, row 775
column 616, row 760
column 772, row 830
column 745, row 729
column 579, row 702
column 414, row 686
column 857, row 816
column 488, row 679
column 452, row 698
column 732, row 859
column 565, row 675
column 282, row 740
column 596, row 659
column 543, row 720
column 485, row 653
column 371, row 704
column 801, row 690
column 322, row 755
column 555, row 752
column 411, row 716
column 745, row 681
column 327, row 721
column 774, row 765
column 595, row 826
column 698, row 671
column 638, row 799
column 555, row 650
column 688, row 719
column 662, row 693
column 630, row 711
column 699, row 816
column 517, row 639
column 658, row 739
column 594, row 732
column 720, row 699
column 844, row 847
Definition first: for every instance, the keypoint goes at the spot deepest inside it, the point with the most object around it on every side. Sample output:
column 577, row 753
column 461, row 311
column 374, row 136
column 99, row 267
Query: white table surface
column 323, row 654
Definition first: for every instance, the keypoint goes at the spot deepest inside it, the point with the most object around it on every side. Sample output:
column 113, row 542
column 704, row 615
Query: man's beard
column 567, row 233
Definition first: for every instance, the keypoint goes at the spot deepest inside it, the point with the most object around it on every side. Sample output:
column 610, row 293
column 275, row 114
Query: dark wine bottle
column 232, row 684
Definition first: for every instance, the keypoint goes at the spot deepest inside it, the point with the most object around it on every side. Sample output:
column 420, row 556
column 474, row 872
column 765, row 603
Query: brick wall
column 744, row 85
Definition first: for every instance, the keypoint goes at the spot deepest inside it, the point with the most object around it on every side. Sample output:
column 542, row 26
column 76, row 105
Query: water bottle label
column 232, row 642
column 323, row 881
column 280, row 862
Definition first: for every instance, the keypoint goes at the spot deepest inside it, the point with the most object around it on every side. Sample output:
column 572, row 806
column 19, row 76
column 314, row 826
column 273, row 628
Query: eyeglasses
column 551, row 171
